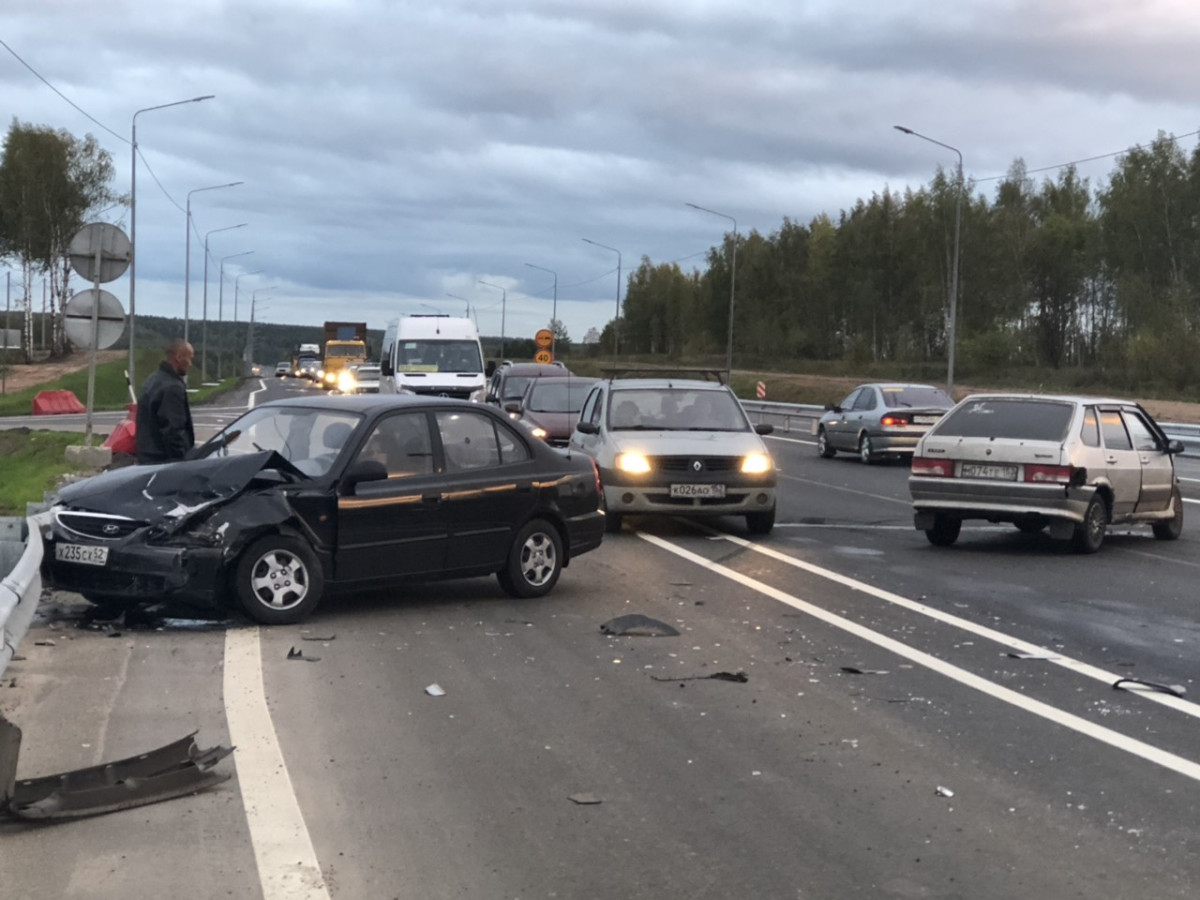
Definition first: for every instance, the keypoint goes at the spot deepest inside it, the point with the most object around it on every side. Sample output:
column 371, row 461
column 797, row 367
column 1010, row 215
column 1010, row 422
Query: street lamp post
column 617, row 320
column 187, row 256
column 248, row 362
column 503, row 310
column 951, row 330
column 554, row 314
column 221, row 302
column 204, row 325
column 464, row 300
column 133, row 223
column 236, row 284
column 732, row 279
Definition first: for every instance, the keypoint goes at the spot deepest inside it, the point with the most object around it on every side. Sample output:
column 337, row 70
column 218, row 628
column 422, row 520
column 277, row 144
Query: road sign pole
column 91, row 391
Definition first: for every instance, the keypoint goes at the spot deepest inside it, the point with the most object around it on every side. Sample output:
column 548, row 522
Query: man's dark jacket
column 164, row 419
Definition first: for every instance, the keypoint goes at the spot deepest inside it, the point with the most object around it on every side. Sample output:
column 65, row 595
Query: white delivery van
column 432, row 354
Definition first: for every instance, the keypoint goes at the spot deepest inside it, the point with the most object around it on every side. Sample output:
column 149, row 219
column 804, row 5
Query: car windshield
column 558, row 397
column 1018, row 419
column 439, row 356
column 310, row 439
column 675, row 409
column 915, row 396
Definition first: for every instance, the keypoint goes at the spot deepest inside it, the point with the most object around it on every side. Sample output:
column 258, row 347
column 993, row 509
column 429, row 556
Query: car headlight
column 347, row 382
column 539, row 432
column 634, row 463
column 756, row 464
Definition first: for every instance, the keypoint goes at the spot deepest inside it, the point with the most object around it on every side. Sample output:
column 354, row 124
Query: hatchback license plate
column 990, row 472
column 924, row 420
column 81, row 553
column 698, row 490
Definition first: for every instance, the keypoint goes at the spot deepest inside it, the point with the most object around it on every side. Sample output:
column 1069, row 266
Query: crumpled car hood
column 171, row 490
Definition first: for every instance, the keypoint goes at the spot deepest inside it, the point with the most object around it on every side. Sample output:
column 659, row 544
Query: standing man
column 164, row 419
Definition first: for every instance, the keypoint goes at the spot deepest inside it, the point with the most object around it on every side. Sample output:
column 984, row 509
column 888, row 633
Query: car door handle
column 1112, row 460
column 431, row 499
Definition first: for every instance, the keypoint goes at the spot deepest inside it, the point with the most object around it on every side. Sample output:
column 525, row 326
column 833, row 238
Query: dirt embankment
column 24, row 376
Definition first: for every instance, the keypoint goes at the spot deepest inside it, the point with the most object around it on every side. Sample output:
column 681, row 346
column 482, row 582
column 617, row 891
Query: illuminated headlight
column 330, row 377
column 756, row 464
column 539, row 432
column 320, row 374
column 347, row 382
column 633, row 463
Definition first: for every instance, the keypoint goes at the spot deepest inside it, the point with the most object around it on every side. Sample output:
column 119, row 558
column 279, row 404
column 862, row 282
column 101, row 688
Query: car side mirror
column 490, row 369
column 587, row 427
column 1174, row 445
column 513, row 406
column 363, row 470
column 764, row 428
column 832, row 407
column 385, row 366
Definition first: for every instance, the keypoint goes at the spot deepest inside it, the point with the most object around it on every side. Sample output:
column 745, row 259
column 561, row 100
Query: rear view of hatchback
column 1072, row 465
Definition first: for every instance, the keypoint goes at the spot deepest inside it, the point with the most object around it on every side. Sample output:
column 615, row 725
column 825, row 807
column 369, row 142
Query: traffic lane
column 1036, row 733
column 83, row 697
column 1130, row 599
column 789, row 782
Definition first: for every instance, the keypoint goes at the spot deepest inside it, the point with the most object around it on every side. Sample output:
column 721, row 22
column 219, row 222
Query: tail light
column 1038, row 474
column 934, row 468
column 893, row 420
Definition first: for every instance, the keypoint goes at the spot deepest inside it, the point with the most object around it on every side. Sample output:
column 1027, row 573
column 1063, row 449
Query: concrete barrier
column 21, row 584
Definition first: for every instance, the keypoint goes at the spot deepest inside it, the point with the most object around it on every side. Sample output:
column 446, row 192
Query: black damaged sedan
column 310, row 496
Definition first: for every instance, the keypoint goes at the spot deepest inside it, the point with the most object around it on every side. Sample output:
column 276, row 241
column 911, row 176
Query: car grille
column 457, row 394
column 686, row 464
column 97, row 525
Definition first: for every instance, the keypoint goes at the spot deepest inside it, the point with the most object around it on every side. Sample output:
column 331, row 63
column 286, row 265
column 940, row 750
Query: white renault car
column 680, row 447
column 1071, row 465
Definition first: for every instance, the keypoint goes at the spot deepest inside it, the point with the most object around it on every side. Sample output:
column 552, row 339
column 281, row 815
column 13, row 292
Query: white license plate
column 990, row 472
column 698, row 490
column 924, row 420
column 81, row 553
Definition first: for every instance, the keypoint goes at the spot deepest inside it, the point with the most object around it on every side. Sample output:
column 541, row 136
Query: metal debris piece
column 1177, row 690
column 943, row 791
column 435, row 690
column 739, row 677
column 637, row 625
column 175, row 770
column 45, row 643
column 1015, row 655
column 585, row 799
column 305, row 637
column 299, row 654
column 855, row 670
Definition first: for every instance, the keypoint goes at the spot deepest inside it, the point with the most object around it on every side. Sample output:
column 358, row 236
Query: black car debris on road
column 304, row 497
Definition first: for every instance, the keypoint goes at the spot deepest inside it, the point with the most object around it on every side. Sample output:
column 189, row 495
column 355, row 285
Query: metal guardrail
column 799, row 418
column 20, row 582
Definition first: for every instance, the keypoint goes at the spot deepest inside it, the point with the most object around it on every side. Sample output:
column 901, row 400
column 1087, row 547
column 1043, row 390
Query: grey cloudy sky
column 394, row 152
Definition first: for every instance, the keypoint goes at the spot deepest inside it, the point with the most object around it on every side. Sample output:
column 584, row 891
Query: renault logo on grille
column 111, row 529
column 443, row 394
column 697, row 465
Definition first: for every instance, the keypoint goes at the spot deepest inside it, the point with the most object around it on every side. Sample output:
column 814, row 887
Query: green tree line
column 1053, row 274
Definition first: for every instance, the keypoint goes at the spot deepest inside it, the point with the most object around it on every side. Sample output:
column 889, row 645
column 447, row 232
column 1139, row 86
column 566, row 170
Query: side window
column 850, row 400
column 588, row 412
column 1143, row 437
column 468, row 441
column 512, row 448
column 1113, row 429
column 402, row 443
column 598, row 399
column 866, row 399
column 1090, row 433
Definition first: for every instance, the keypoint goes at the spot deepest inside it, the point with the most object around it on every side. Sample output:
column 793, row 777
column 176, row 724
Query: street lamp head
column 902, row 128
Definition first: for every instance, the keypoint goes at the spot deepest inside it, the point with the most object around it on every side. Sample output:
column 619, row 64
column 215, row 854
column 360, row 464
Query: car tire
column 866, row 452
column 612, row 522
column 823, row 446
column 1170, row 529
column 534, row 561
column 1030, row 526
column 278, row 580
column 760, row 522
column 944, row 531
column 1089, row 534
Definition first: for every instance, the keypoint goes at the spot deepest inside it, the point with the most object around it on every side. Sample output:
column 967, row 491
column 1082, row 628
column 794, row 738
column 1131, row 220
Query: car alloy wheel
column 865, row 451
column 1089, row 534
column 823, row 447
column 279, row 581
column 534, row 562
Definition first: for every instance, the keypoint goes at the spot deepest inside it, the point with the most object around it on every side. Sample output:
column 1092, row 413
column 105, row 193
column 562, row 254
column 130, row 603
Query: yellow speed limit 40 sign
column 543, row 356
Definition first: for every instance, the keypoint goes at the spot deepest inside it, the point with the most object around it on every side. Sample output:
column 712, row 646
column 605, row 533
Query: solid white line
column 1178, row 764
column 287, row 863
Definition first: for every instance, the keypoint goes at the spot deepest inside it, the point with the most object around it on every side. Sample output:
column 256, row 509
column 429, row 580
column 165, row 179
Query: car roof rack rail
column 717, row 375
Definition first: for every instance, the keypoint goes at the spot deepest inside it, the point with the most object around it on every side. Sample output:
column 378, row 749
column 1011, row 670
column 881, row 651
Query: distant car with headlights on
column 320, row 494
column 550, row 407
column 283, row 369
column 876, row 421
column 362, row 378
column 1073, row 465
column 676, row 446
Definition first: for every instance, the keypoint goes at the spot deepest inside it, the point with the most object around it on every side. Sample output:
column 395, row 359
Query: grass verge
column 34, row 462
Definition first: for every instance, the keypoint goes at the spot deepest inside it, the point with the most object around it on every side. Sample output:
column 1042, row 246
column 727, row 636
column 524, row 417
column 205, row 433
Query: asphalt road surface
column 914, row 722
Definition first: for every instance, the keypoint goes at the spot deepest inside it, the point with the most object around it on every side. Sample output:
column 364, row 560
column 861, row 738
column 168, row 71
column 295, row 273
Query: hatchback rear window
column 912, row 397
column 1025, row 420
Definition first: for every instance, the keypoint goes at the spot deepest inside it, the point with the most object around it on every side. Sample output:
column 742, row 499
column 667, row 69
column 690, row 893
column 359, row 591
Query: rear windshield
column 1025, row 420
column 914, row 397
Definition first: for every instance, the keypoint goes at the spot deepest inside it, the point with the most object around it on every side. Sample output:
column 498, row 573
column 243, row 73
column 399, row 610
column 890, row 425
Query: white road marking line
column 287, row 863
column 788, row 440
column 1167, row 760
column 999, row 637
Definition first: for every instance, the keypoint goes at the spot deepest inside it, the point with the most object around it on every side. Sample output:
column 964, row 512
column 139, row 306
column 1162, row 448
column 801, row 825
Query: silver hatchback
column 1073, row 465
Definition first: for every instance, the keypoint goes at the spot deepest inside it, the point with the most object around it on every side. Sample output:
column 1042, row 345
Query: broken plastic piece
column 943, row 791
column 855, row 670
column 739, row 677
column 435, row 690
column 1032, row 656
column 637, row 625
column 1177, row 690
column 299, row 654
column 305, row 637
column 585, row 799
